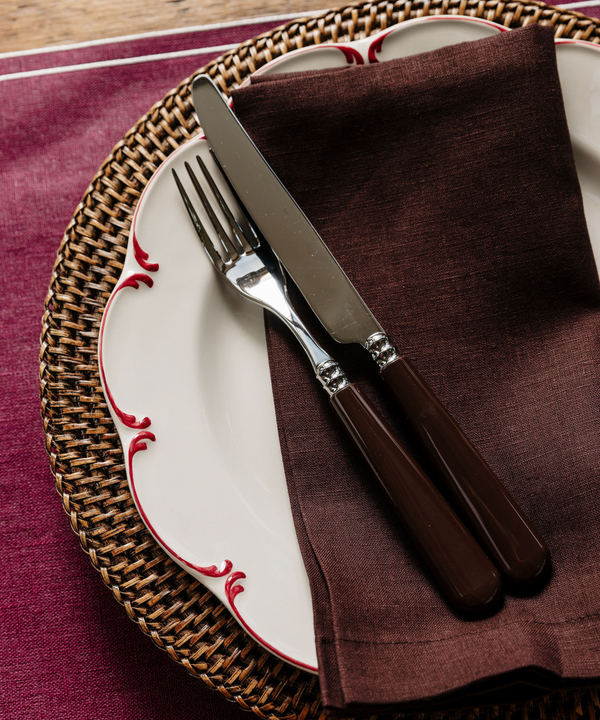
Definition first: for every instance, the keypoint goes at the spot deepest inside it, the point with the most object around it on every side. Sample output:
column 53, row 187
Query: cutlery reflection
column 243, row 258
column 491, row 513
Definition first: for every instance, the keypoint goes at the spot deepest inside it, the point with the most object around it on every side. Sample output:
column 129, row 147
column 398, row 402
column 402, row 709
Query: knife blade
column 489, row 510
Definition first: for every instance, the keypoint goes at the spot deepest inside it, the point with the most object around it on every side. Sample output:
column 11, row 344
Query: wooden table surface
column 43, row 23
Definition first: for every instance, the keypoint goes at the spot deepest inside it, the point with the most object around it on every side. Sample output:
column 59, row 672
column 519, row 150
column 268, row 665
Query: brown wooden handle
column 488, row 509
column 470, row 581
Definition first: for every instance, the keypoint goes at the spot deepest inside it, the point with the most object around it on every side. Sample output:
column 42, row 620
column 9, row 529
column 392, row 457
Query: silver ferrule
column 332, row 377
column 381, row 349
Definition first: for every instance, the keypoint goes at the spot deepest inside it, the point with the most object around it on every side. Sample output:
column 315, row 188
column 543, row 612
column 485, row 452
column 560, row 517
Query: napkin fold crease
column 445, row 186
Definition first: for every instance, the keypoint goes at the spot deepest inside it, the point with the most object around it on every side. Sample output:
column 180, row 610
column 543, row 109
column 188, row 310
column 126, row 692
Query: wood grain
column 43, row 23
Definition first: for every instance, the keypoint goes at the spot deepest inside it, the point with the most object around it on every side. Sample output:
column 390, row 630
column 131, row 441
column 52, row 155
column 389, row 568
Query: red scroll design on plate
column 375, row 46
column 352, row 55
column 232, row 591
column 129, row 420
column 139, row 443
column 141, row 256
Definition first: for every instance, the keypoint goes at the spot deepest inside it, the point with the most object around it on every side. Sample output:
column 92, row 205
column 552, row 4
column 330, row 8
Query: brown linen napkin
column 445, row 186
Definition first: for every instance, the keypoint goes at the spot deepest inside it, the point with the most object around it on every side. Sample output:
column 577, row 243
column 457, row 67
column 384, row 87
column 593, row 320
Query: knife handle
column 468, row 578
column 490, row 512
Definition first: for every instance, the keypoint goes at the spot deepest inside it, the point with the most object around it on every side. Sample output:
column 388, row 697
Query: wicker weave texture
column 86, row 456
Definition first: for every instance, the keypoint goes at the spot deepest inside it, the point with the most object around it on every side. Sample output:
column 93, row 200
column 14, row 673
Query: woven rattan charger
column 86, row 456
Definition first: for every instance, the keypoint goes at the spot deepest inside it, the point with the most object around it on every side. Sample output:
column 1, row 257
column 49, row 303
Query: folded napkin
column 445, row 186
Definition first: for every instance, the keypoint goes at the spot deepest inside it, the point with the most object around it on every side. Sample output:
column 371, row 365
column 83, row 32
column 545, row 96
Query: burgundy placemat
column 68, row 649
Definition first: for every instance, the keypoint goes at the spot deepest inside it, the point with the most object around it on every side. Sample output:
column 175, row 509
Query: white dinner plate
column 184, row 367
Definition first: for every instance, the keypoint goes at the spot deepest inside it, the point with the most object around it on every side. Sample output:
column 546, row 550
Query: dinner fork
column 244, row 260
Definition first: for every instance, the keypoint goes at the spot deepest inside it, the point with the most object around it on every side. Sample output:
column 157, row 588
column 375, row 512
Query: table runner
column 68, row 649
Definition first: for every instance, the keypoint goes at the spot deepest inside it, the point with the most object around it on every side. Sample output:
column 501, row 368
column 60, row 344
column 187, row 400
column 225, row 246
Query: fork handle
column 491, row 513
column 469, row 580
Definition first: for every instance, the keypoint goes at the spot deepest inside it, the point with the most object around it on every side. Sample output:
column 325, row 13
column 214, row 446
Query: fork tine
column 235, row 226
column 228, row 246
column 253, row 239
column 202, row 234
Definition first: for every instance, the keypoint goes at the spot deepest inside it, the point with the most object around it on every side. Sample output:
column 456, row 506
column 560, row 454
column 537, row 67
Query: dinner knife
column 493, row 516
